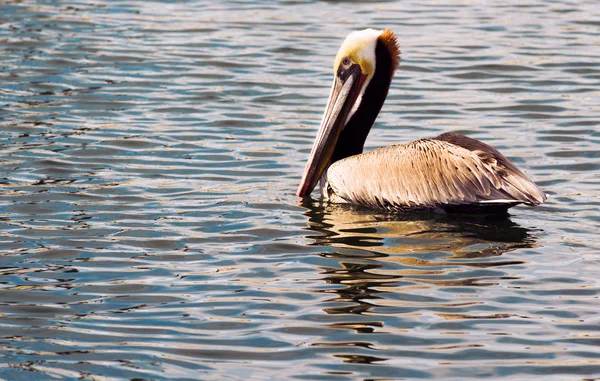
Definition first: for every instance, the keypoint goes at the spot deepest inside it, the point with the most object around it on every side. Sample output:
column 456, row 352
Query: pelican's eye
column 346, row 62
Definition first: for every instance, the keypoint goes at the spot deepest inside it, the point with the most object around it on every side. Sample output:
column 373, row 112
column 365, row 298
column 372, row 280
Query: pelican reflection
column 378, row 253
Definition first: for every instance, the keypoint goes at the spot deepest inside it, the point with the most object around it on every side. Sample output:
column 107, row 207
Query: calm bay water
column 149, row 228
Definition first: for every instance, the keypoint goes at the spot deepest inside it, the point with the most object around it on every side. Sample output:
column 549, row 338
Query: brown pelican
column 450, row 172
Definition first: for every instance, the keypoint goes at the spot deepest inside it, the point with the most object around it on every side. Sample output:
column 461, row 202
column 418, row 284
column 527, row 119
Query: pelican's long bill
column 343, row 95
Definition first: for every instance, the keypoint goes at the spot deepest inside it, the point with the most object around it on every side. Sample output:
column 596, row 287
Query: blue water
column 150, row 231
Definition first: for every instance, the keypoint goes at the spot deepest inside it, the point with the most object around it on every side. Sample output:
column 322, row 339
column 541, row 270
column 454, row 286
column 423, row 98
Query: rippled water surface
column 150, row 152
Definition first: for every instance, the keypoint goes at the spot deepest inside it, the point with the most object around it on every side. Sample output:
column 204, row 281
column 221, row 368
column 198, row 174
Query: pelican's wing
column 482, row 149
column 429, row 173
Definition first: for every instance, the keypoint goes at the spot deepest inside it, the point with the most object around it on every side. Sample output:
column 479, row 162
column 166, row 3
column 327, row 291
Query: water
column 149, row 228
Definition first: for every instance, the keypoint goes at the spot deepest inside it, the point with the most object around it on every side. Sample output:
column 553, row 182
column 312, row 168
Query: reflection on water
column 408, row 275
column 388, row 253
column 351, row 226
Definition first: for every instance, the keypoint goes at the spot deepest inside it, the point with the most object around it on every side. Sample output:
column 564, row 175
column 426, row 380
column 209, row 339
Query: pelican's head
column 363, row 70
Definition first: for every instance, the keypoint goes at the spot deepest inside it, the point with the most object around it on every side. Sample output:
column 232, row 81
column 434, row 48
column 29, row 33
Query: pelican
column 447, row 173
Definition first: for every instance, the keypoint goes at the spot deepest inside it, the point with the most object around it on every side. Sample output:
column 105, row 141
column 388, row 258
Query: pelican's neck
column 352, row 138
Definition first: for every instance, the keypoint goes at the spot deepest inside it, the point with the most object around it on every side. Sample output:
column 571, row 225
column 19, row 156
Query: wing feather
column 429, row 173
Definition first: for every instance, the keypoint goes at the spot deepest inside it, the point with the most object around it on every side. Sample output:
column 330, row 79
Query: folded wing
column 447, row 170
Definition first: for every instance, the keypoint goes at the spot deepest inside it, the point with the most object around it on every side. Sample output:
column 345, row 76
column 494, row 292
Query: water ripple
column 149, row 228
